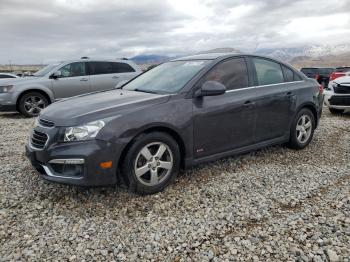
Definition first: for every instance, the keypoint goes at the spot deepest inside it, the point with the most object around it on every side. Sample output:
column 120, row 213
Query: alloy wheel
column 304, row 128
column 34, row 104
column 153, row 164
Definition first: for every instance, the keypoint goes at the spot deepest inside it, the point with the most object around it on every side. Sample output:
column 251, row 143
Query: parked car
column 178, row 114
column 29, row 95
column 337, row 95
column 7, row 76
column 321, row 74
column 339, row 72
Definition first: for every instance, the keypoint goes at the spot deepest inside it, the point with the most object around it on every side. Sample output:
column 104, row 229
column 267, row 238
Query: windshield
column 46, row 69
column 167, row 78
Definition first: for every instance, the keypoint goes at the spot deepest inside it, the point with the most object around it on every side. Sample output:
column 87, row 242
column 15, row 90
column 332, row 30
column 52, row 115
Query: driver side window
column 73, row 70
column 231, row 73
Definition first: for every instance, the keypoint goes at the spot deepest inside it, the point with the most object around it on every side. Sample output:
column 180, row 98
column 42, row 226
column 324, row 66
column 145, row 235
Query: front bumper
column 7, row 102
column 338, row 101
column 58, row 163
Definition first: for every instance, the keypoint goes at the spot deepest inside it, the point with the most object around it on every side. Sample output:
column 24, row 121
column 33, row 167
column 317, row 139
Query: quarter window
column 231, row 73
column 268, row 72
column 73, row 69
column 122, row 68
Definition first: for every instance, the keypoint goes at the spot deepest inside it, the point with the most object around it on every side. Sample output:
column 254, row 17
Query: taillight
column 335, row 75
column 320, row 87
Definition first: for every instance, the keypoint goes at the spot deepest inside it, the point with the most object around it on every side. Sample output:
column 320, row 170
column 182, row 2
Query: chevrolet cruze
column 179, row 114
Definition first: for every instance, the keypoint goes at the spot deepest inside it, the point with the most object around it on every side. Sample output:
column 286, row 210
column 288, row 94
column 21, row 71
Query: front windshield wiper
column 145, row 91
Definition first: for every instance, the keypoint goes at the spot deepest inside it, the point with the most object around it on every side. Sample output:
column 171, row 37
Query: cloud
column 39, row 31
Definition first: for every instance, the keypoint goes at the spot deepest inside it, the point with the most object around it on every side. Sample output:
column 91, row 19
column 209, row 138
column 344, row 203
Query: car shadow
column 12, row 116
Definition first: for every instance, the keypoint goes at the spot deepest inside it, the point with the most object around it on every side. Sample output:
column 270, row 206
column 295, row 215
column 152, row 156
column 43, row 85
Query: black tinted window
column 101, row 68
column 122, row 68
column 6, row 76
column 73, row 69
column 268, row 72
column 288, row 74
column 231, row 73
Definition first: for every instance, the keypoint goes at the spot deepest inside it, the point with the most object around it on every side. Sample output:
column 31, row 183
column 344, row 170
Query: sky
column 41, row 31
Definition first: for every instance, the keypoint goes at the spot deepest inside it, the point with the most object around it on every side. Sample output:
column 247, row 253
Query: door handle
column 248, row 103
column 115, row 77
column 84, row 79
column 289, row 94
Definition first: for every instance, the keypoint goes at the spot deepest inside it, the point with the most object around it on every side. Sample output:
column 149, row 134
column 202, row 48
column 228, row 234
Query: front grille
column 342, row 89
column 38, row 139
column 340, row 100
column 46, row 123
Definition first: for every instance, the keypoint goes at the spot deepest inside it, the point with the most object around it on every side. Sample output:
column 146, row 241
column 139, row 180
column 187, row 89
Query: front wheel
column 31, row 104
column 151, row 163
column 302, row 129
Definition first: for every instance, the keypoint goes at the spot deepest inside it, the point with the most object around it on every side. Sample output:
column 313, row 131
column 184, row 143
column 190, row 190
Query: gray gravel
column 274, row 204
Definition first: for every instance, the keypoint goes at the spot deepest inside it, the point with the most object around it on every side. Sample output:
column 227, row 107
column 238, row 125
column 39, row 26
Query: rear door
column 225, row 122
column 106, row 75
column 275, row 98
column 73, row 81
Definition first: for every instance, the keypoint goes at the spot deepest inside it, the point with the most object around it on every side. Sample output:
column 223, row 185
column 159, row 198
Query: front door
column 225, row 122
column 73, row 81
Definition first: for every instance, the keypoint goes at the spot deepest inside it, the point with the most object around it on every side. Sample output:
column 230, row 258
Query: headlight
column 334, row 84
column 84, row 132
column 5, row 89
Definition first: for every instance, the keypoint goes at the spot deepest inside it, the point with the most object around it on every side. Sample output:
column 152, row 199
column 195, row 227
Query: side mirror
column 56, row 75
column 210, row 88
column 120, row 84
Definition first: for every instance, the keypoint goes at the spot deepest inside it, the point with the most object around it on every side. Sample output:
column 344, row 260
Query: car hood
column 344, row 80
column 20, row 80
column 86, row 108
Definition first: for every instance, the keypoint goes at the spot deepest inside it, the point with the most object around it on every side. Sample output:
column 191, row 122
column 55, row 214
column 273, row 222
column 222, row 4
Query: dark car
column 321, row 74
column 179, row 114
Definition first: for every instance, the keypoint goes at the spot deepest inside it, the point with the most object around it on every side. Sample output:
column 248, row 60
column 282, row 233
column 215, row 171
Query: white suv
column 337, row 95
column 29, row 95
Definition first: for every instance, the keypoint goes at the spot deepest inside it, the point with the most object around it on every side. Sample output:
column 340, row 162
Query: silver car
column 29, row 95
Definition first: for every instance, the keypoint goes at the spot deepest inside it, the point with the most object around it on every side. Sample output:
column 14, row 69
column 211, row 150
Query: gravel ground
column 272, row 205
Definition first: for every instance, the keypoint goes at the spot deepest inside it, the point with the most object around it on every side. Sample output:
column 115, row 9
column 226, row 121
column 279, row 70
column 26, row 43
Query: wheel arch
column 312, row 108
column 44, row 93
column 157, row 128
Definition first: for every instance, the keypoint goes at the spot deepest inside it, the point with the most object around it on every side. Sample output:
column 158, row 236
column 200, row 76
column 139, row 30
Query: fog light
column 106, row 165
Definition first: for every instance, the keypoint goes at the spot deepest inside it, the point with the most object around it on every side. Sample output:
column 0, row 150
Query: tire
column 147, row 172
column 302, row 134
column 336, row 111
column 30, row 104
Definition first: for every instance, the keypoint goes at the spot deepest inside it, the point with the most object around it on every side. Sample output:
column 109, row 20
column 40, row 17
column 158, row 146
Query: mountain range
column 308, row 55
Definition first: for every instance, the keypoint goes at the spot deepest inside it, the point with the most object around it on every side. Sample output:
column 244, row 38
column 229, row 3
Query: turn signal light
column 106, row 165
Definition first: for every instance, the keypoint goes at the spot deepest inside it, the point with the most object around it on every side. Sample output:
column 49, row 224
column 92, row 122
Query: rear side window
column 122, row 68
column 100, row 68
column 290, row 75
column 231, row 73
column 73, row 69
column 268, row 72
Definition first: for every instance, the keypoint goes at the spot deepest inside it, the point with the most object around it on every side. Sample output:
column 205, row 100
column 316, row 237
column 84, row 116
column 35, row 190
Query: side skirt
column 246, row 149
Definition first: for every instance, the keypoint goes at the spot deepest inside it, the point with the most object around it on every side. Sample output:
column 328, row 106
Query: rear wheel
column 151, row 163
column 302, row 129
column 31, row 104
column 336, row 111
